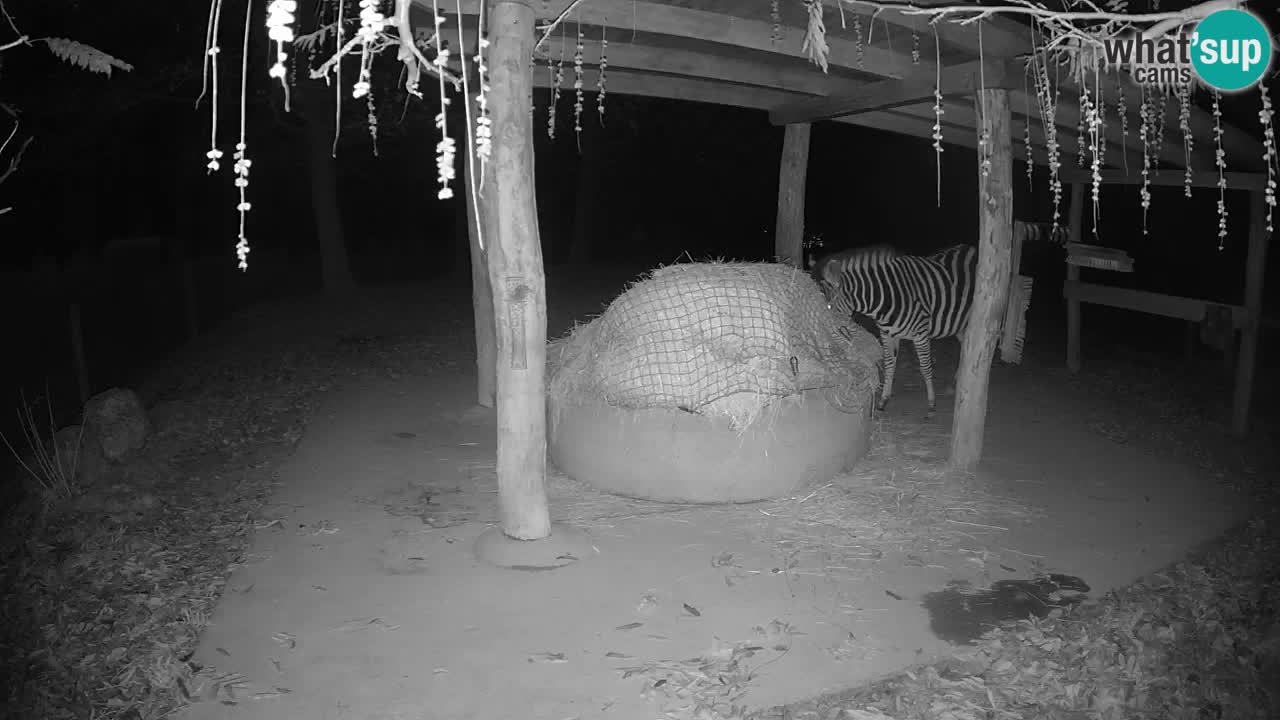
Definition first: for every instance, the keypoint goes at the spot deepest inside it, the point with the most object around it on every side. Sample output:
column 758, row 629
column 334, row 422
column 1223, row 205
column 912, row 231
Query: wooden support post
column 792, row 173
column 517, row 277
column 481, row 292
column 991, row 288
column 1075, row 226
column 1254, row 270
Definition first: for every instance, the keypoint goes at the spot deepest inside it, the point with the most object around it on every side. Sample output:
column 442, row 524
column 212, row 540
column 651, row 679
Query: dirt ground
column 361, row 597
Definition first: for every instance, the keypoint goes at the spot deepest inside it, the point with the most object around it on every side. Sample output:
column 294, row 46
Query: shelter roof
column 729, row 52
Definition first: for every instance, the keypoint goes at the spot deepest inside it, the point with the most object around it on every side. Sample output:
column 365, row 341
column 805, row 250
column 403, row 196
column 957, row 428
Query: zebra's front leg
column 924, row 352
column 889, row 355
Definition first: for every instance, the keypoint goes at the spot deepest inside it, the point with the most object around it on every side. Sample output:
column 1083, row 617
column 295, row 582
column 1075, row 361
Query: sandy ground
column 363, row 598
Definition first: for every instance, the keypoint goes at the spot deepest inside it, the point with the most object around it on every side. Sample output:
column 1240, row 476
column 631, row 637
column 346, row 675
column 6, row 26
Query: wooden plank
column 517, row 278
column 1167, row 177
column 995, row 241
column 721, row 64
column 962, row 114
column 1143, row 301
column 1255, row 271
column 716, row 28
column 1009, row 325
column 708, row 91
column 912, row 122
column 1001, row 38
column 717, row 63
column 792, row 173
column 957, row 81
column 733, row 85
column 799, row 76
column 1075, row 227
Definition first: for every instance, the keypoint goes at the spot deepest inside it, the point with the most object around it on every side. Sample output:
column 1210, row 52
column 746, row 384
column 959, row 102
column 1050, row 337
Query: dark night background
column 123, row 158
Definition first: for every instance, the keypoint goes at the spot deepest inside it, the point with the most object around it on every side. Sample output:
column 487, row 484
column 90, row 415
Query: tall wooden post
column 517, row 278
column 481, row 293
column 991, row 290
column 1075, row 221
column 1254, row 271
column 792, row 172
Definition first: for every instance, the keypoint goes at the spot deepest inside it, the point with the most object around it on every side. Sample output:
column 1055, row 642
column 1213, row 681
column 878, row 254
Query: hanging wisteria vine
column 1048, row 120
column 1183, row 92
column 859, row 48
column 1075, row 35
column 280, row 31
column 604, row 64
column 937, row 115
column 210, row 80
column 445, row 148
column 243, row 163
column 557, row 81
column 984, row 135
column 577, row 87
column 483, row 123
column 1026, row 132
column 1078, row 35
column 1146, row 123
column 1220, row 161
column 1122, row 111
column 1265, row 116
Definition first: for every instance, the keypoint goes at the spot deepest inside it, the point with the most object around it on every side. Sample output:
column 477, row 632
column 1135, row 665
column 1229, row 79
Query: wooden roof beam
column 804, row 76
column 640, row 58
column 1003, row 37
column 717, row 93
column 1007, row 38
column 956, row 81
column 1166, row 178
column 962, row 116
column 724, row 30
column 718, row 28
column 800, row 77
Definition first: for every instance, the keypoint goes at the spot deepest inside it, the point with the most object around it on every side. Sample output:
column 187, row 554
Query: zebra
column 908, row 297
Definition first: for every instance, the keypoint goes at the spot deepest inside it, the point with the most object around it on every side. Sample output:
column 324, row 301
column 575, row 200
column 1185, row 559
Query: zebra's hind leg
column 924, row 352
column 889, row 354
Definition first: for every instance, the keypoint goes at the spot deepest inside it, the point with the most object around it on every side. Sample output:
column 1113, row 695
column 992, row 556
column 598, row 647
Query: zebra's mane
column 826, row 270
column 866, row 255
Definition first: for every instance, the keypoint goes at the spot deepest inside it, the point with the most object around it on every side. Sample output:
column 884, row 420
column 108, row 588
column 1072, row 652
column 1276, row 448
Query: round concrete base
column 677, row 456
column 563, row 546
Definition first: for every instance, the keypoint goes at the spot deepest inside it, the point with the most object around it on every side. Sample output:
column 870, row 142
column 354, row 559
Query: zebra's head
column 843, row 276
column 826, row 272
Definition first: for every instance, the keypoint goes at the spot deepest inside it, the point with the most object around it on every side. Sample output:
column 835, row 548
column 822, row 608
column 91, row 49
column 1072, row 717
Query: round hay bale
column 712, row 383
column 677, row 456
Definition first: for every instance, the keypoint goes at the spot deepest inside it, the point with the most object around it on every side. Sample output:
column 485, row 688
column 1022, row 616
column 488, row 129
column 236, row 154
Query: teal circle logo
column 1231, row 49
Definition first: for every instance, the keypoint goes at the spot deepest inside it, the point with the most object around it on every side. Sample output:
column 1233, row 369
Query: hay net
column 715, row 338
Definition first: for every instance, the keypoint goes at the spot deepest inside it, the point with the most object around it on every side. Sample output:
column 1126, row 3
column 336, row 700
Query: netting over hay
column 717, row 339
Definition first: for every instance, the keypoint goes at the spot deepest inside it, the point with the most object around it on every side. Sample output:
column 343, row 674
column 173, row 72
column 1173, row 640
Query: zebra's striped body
column 913, row 298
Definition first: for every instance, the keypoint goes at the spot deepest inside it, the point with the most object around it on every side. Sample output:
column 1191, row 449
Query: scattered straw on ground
column 898, row 498
column 103, row 600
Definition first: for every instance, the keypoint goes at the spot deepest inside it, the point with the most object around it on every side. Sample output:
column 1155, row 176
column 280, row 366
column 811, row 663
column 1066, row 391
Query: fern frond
column 84, row 56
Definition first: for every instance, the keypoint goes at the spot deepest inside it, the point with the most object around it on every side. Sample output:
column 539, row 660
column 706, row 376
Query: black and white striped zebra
column 920, row 299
